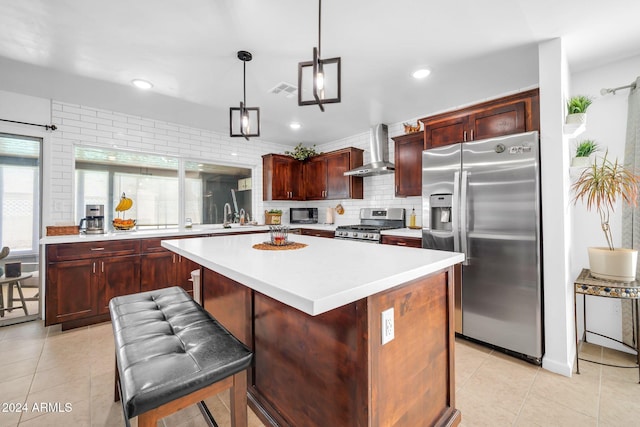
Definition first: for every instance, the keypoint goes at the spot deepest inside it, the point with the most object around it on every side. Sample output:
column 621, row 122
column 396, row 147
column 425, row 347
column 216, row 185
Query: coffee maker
column 94, row 219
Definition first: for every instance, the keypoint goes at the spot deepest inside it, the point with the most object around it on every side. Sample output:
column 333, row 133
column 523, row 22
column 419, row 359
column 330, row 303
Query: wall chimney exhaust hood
column 379, row 146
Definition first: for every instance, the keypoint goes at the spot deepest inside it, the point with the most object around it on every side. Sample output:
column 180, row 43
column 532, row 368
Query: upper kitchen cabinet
column 324, row 175
column 319, row 178
column 408, row 161
column 512, row 114
column 281, row 178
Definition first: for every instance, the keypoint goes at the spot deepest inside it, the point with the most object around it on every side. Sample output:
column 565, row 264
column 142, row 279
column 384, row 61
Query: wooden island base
column 332, row 370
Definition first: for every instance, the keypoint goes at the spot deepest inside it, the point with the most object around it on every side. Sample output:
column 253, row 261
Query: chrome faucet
column 226, row 212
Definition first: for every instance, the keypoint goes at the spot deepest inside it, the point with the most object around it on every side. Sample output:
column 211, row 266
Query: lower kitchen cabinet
column 81, row 279
column 116, row 276
column 162, row 268
column 71, row 291
column 412, row 242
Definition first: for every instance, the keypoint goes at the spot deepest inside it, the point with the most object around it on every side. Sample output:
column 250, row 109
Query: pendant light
column 319, row 77
column 244, row 121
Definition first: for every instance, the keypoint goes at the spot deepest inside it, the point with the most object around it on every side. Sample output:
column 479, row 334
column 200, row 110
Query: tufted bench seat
column 171, row 354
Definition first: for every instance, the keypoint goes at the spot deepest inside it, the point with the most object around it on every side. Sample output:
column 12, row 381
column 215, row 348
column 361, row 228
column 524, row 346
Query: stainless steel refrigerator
column 483, row 198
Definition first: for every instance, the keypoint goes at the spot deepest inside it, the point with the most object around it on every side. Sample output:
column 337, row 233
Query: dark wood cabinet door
column 337, row 184
column 158, row 270
column 281, row 178
column 70, row 292
column 408, row 161
column 296, row 182
column 117, row 276
column 315, row 178
column 184, row 267
column 498, row 121
column 445, row 132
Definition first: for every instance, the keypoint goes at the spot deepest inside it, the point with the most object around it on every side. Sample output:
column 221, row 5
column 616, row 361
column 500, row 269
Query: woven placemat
column 268, row 247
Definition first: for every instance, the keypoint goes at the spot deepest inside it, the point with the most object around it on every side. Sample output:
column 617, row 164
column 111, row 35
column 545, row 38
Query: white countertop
column 326, row 274
column 171, row 232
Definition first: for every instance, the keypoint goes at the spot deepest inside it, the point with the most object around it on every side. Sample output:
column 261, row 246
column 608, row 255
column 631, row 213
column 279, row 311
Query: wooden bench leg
column 116, row 387
column 238, row 400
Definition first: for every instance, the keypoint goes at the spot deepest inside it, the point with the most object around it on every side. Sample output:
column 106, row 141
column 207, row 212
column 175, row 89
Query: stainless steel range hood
column 379, row 146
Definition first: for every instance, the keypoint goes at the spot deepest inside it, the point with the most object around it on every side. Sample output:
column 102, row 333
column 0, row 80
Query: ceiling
column 88, row 51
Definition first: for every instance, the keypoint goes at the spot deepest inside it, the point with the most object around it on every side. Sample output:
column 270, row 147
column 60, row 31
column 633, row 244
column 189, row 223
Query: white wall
column 558, row 297
column 606, row 123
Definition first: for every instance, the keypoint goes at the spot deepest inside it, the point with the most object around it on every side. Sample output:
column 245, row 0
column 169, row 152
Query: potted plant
column 273, row 217
column 583, row 150
column 302, row 153
column 601, row 184
column 577, row 109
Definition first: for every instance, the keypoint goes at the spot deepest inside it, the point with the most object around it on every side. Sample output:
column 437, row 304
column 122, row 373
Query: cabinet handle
column 97, row 249
column 464, row 137
column 94, row 267
column 102, row 266
column 401, row 243
column 472, row 134
column 173, row 258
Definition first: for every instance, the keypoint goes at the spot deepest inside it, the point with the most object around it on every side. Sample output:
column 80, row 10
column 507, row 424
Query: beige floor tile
column 79, row 414
column 66, row 393
column 542, row 412
column 16, row 389
column 477, row 412
column 104, row 411
column 18, row 369
column 580, row 392
column 58, row 376
column 34, row 329
column 9, row 419
column 16, row 349
column 468, row 358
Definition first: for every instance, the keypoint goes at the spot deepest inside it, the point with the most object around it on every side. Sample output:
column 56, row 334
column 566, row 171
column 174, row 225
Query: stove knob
column 355, row 234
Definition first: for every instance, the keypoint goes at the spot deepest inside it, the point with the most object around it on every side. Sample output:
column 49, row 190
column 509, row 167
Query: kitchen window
column 20, row 193
column 155, row 185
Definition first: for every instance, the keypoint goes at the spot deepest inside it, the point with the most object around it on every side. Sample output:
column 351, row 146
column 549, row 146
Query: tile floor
column 45, row 365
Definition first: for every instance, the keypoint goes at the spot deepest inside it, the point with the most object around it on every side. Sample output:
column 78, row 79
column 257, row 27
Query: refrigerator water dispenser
column 440, row 212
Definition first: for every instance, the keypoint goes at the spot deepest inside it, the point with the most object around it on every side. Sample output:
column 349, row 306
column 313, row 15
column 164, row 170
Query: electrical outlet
column 387, row 326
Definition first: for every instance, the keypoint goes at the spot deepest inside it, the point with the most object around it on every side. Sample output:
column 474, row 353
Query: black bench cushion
column 168, row 346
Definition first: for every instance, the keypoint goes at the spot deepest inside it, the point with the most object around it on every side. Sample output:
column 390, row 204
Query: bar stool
column 10, row 282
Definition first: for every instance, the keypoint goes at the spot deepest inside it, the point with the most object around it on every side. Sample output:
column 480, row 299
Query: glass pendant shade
column 244, row 121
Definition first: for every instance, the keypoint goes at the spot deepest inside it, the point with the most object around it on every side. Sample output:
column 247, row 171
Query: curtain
column 631, row 215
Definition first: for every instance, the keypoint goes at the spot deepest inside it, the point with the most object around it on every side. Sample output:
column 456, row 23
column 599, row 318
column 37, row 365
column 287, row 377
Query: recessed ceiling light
column 234, row 154
column 141, row 84
column 421, row 73
column 295, row 125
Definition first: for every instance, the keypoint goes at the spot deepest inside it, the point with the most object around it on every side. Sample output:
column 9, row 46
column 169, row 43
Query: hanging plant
column 302, row 153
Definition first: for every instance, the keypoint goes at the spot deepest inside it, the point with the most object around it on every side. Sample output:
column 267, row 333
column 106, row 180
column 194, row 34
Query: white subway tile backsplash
column 84, row 125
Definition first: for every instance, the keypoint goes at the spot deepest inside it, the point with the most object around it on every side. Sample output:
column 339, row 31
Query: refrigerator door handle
column 455, row 214
column 463, row 218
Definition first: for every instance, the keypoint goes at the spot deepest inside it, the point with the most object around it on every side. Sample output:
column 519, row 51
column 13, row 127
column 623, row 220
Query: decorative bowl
column 124, row 224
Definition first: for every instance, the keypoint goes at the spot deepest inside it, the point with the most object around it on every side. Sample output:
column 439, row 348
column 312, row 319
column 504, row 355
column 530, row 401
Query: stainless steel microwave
column 303, row 215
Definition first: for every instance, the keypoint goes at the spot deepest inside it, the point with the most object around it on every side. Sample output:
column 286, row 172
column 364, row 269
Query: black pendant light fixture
column 244, row 121
column 319, row 77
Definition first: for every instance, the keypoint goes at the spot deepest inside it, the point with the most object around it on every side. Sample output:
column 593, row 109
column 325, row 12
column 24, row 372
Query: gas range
column 372, row 222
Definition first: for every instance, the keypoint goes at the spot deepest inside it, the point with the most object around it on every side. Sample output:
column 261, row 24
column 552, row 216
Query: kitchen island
column 313, row 317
